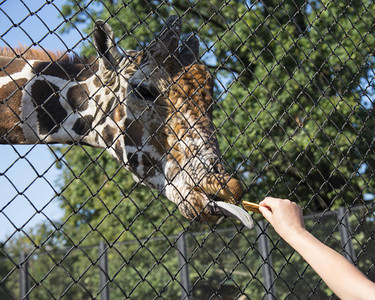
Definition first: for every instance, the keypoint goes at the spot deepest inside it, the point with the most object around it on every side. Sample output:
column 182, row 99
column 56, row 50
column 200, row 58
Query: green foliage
column 294, row 124
column 5, row 272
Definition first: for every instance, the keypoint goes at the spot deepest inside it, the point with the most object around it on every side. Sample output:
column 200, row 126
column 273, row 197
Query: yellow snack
column 251, row 206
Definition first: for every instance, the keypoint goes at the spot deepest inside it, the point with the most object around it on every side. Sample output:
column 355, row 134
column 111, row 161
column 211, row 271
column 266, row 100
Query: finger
column 269, row 201
column 266, row 212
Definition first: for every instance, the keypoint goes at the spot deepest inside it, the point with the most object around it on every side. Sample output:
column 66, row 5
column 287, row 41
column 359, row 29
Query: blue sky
column 28, row 175
column 35, row 22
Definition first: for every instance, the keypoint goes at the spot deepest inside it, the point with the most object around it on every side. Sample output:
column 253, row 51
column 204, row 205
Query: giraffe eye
column 143, row 93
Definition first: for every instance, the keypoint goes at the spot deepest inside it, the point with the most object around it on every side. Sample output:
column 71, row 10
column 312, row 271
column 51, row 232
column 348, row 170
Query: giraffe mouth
column 217, row 207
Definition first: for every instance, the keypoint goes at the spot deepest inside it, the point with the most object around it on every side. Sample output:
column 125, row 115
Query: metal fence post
column 267, row 261
column 103, row 272
column 346, row 234
column 183, row 266
column 24, row 278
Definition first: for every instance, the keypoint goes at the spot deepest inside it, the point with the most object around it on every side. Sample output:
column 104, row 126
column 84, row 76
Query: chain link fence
column 292, row 109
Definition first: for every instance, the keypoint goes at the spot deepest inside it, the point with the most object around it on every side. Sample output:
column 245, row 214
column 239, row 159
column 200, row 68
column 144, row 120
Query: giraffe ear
column 189, row 49
column 166, row 42
column 104, row 40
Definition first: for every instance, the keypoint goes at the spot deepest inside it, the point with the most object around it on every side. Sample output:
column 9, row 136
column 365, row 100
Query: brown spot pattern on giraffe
column 133, row 133
column 133, row 138
column 78, row 97
column 118, row 113
column 109, row 106
column 108, row 134
column 76, row 72
column 10, row 66
column 10, row 112
column 119, row 151
column 48, row 107
column 83, row 125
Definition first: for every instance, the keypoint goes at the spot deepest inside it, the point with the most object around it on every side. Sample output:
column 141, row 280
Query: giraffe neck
column 44, row 102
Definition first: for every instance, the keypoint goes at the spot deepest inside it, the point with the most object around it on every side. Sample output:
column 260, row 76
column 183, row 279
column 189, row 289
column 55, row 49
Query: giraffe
column 151, row 109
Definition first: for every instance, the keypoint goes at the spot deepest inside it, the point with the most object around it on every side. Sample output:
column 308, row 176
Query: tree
column 296, row 121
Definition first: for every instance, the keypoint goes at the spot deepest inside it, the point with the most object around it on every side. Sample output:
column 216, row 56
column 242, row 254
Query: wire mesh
column 291, row 113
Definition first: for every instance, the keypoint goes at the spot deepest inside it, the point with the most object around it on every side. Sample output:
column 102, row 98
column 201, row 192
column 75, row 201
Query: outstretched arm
column 345, row 280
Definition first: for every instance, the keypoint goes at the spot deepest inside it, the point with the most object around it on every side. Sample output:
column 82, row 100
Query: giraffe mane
column 26, row 52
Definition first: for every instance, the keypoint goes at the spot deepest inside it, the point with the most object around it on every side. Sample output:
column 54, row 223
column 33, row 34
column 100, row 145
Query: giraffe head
column 163, row 129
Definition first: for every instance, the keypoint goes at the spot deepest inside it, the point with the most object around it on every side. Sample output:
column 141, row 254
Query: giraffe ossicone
column 151, row 109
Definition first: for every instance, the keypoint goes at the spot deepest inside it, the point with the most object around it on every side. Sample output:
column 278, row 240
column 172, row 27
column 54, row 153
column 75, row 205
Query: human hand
column 284, row 215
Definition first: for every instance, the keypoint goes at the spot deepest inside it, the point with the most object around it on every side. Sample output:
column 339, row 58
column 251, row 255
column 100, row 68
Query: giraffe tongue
column 230, row 210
